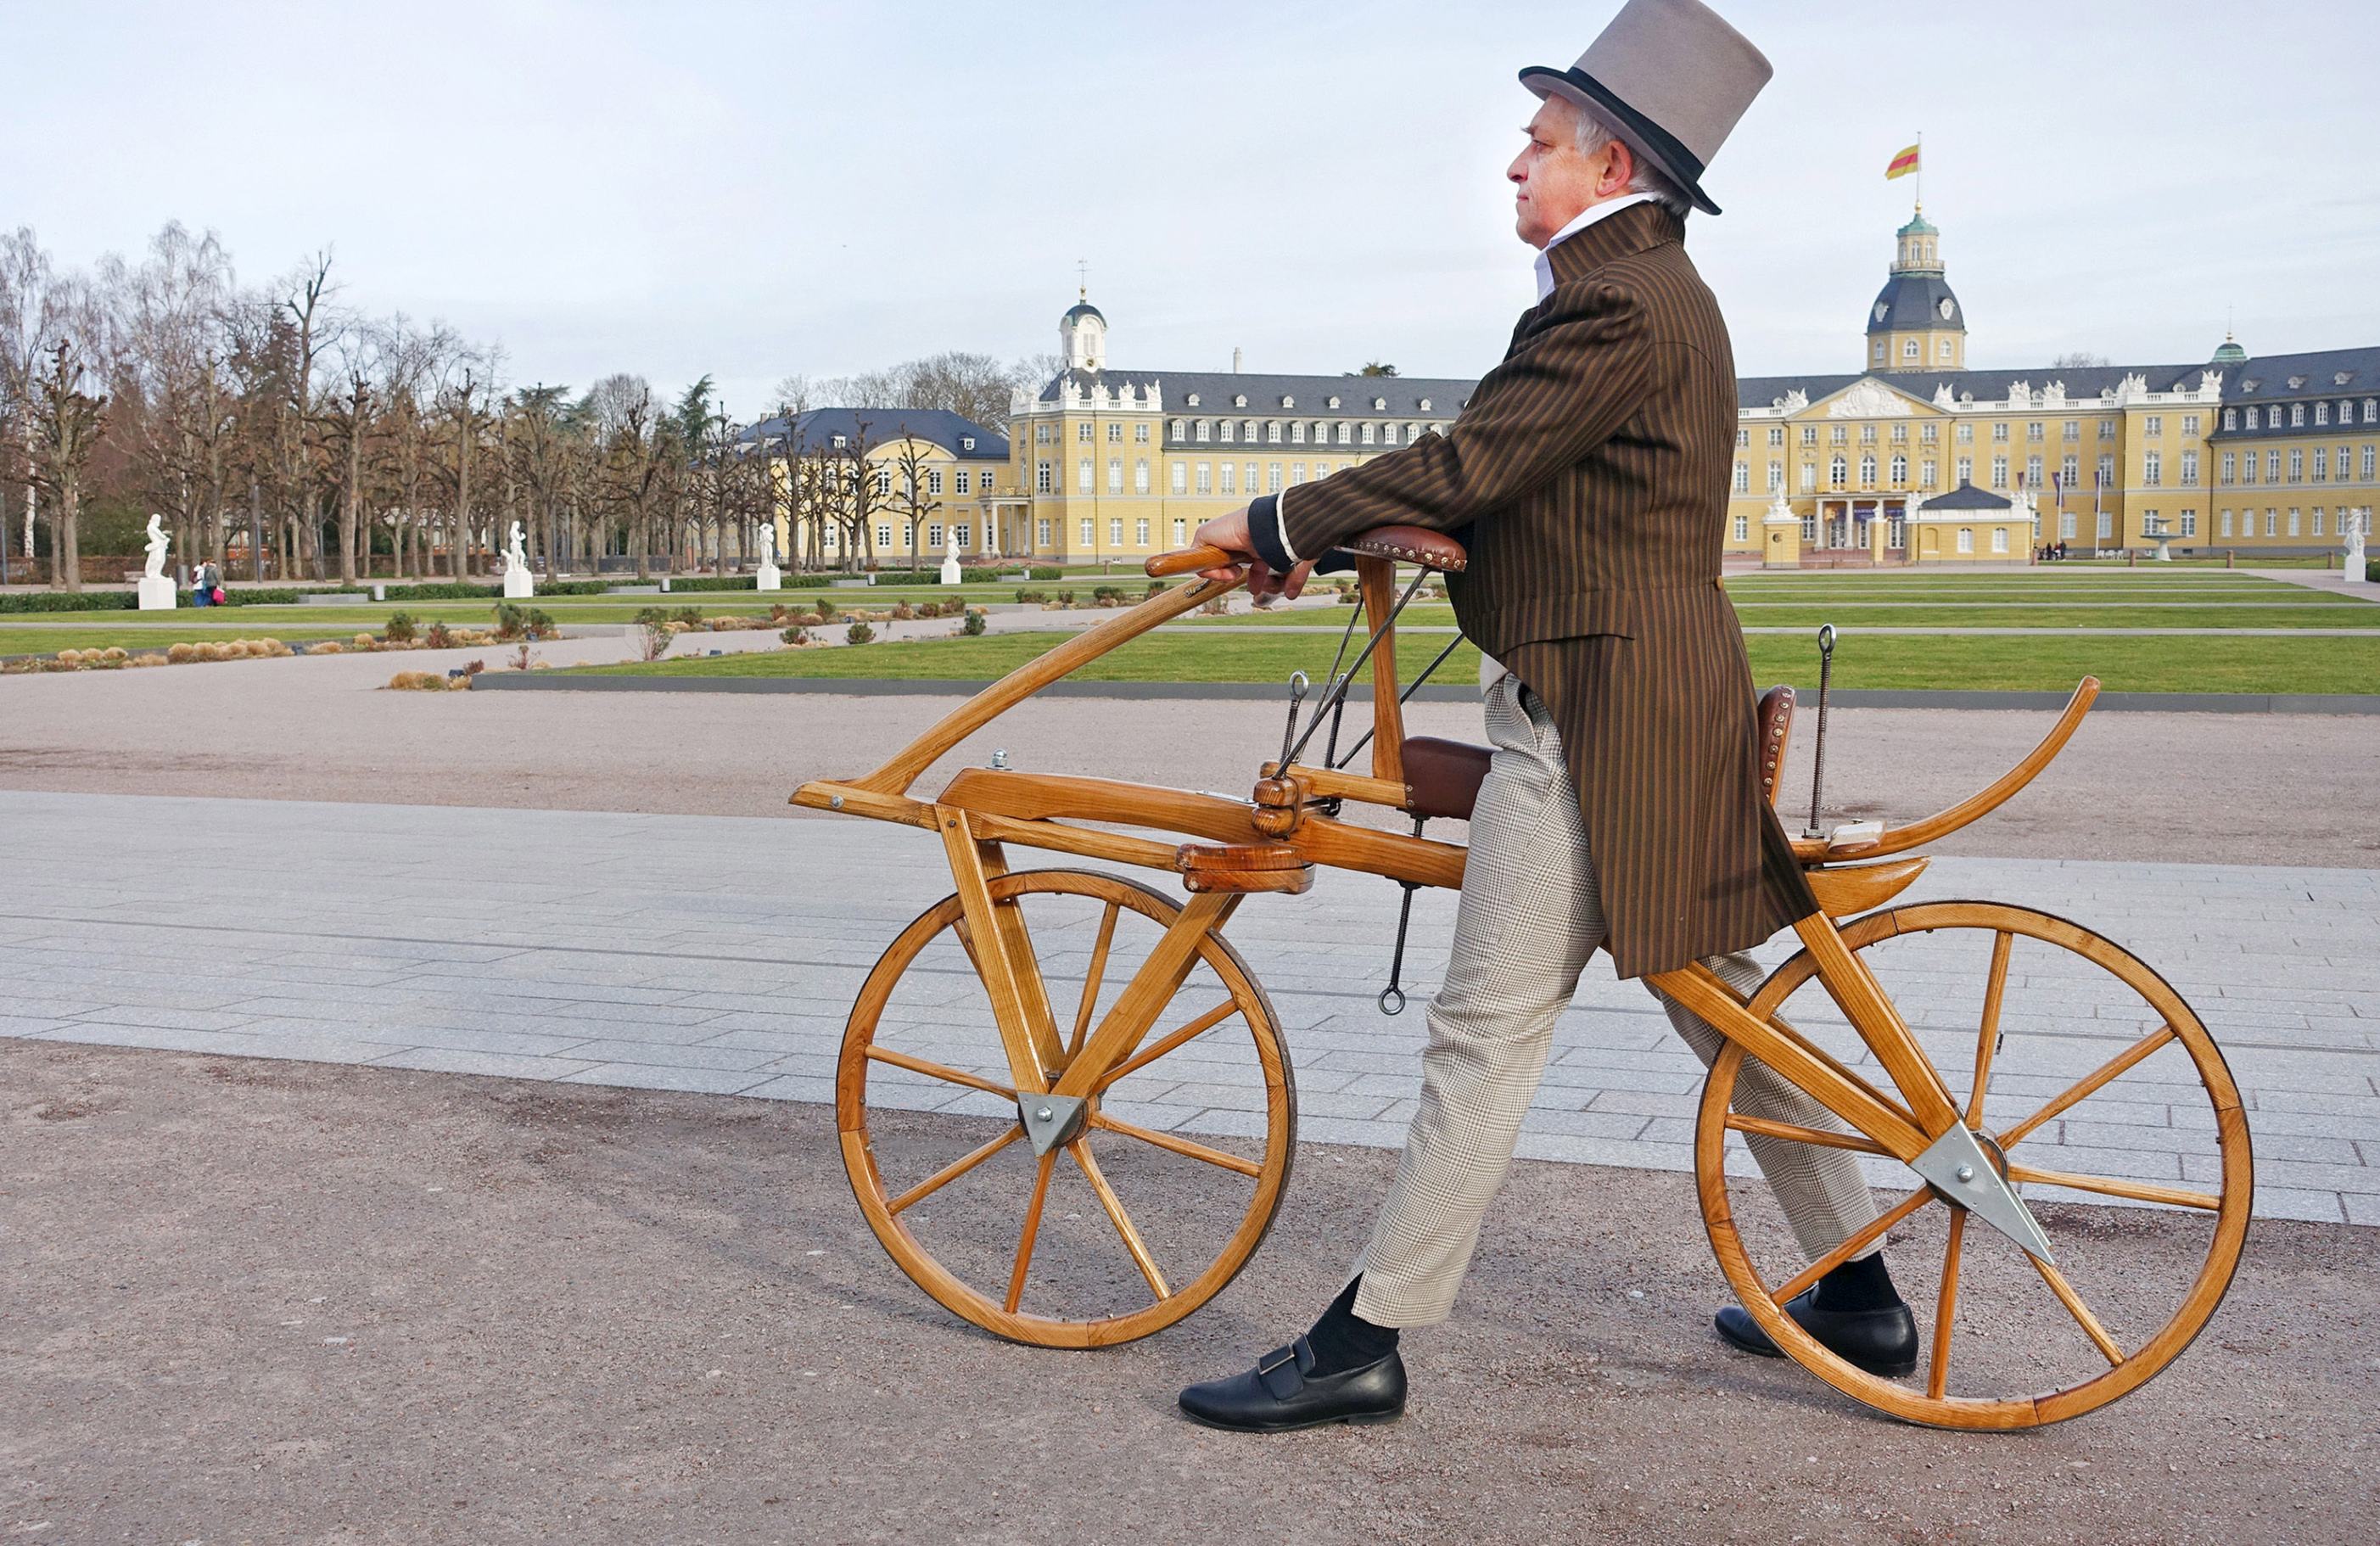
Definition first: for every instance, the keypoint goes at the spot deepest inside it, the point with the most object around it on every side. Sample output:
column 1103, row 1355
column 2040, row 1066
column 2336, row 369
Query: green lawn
column 2210, row 664
column 1963, row 614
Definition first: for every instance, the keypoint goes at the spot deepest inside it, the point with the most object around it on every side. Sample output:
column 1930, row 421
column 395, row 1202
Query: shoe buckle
column 1276, row 1359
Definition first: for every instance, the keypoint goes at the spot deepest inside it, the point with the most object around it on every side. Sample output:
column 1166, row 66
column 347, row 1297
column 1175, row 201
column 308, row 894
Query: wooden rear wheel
column 2089, row 1081
column 1122, row 1230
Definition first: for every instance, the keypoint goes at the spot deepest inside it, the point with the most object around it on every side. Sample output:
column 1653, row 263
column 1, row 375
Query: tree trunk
column 65, row 533
column 351, row 506
column 255, row 533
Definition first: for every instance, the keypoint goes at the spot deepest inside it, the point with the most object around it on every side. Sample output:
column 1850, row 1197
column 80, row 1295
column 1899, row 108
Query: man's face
column 1552, row 183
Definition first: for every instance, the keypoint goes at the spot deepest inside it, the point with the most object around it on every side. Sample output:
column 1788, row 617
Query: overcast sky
column 753, row 190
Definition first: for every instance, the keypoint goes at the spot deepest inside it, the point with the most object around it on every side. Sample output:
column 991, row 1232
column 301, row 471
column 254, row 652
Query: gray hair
column 1648, row 178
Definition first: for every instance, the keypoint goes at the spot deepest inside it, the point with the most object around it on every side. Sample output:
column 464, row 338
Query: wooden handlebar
column 1189, row 561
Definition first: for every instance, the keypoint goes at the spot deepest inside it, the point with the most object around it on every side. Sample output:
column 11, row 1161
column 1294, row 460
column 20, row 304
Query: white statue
column 2351, row 524
column 769, row 577
column 518, row 582
column 156, row 592
column 950, row 575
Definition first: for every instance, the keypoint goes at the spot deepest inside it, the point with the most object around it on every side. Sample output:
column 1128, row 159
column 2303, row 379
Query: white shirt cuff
column 1281, row 524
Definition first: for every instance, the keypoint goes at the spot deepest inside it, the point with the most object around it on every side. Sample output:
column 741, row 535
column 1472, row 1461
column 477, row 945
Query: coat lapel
column 1633, row 229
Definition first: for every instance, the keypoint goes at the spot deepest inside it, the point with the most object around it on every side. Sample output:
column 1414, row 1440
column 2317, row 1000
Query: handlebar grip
column 1190, row 561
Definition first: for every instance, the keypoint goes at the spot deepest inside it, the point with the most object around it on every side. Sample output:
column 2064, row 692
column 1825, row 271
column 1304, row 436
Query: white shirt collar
column 1586, row 217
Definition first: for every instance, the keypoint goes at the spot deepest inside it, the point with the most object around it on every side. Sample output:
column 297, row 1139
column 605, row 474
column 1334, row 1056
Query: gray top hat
column 1670, row 79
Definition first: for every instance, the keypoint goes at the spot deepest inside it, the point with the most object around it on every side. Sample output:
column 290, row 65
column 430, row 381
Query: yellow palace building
column 1916, row 457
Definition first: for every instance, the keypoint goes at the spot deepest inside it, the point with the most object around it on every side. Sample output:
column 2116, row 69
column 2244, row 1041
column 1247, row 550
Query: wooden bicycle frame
column 982, row 809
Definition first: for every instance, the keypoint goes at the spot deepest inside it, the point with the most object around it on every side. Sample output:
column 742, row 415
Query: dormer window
column 2296, row 381
column 840, row 443
column 1378, row 403
column 966, row 442
column 1334, row 401
column 1425, row 405
column 2249, row 385
column 1288, row 402
column 2342, row 378
column 1240, row 400
column 1192, row 401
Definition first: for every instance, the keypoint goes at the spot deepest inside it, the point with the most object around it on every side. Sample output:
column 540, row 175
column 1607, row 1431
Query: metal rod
column 1452, row 644
column 1819, row 749
column 1392, row 997
column 1340, row 691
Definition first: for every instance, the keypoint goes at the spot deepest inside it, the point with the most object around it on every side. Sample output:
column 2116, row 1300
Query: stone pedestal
column 768, row 578
column 157, row 595
column 519, row 585
column 951, row 569
column 2354, row 571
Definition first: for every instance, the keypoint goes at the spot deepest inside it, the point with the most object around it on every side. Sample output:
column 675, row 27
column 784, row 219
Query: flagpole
column 1921, row 171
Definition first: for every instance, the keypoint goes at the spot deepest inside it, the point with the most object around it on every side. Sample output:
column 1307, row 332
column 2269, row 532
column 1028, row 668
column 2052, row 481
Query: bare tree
column 29, row 303
column 67, row 420
column 909, row 498
column 2078, row 359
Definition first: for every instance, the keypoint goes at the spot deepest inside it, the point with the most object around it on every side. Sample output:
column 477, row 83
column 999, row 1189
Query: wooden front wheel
column 2005, row 1341
column 1124, row 1229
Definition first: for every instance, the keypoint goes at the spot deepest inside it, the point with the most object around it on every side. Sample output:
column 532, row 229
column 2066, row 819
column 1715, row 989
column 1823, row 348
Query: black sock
column 1860, row 1284
column 1344, row 1340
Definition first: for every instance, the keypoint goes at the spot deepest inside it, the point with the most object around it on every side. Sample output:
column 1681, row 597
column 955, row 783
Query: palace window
column 1943, row 351
column 2322, row 413
column 963, row 482
column 2297, row 415
column 884, row 482
column 2272, row 524
column 1387, row 434
column 1297, row 473
column 2071, row 429
column 1175, row 429
column 2066, row 525
column 1867, row 434
column 2189, row 426
column 1930, row 433
column 1041, row 532
column 2297, row 466
column 1140, row 432
column 1809, row 528
column 1809, row 434
column 2372, row 411
column 1181, row 477
column 1901, row 434
column 1999, row 473
column 959, row 535
column 2071, row 470
column 1115, row 531
column 1743, row 528
column 2189, row 524
column 2293, row 520
column 2367, row 463
column 1743, row 477
column 2001, row 433
column 1272, row 477
column 1272, row 431
column 2107, row 429
column 1083, row 476
column 1083, row 432
column 2252, row 419
column 2106, row 472
column 1742, row 437
column 1878, row 351
column 1966, row 539
column 1180, row 533
column 1366, row 436
column 1900, row 470
column 2248, row 467
column 2153, row 424
column 1297, row 432
column 2317, row 522
column 1115, row 475
column 1043, row 480
column 2230, row 418
column 1966, row 470
column 2033, row 473
column 2223, row 523
column 2272, row 466
column 1228, row 430
column 1966, row 434
column 1840, row 435
column 1999, row 538
column 2322, row 464
column 1909, row 348
column 1809, row 477
column 884, row 536
column 1343, row 432
column 1206, row 478
column 1140, row 475
column 1140, row 533
column 1896, row 533
column 1231, row 470
column 1776, row 436
column 934, row 481
column 1838, row 472
column 2152, row 469
column 1090, row 532
column 1115, row 432
column 1040, row 434
column 1925, row 473
column 1775, row 477
column 2034, row 430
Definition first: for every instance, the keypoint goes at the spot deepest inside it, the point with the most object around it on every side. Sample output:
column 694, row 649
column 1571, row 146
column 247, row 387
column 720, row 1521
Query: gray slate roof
column 1966, row 496
column 1911, row 302
column 1215, row 390
column 2321, row 371
column 816, row 429
column 2082, row 384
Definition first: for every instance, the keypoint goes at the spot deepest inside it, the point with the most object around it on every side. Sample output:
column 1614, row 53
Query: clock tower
column 1917, row 324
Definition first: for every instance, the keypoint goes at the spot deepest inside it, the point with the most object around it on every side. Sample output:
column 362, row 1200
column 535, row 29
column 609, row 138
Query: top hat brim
column 1641, row 134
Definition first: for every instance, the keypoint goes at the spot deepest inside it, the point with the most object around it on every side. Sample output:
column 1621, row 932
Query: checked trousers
column 1528, row 920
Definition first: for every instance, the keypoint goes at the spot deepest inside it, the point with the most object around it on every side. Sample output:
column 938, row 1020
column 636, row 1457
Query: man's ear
column 1618, row 167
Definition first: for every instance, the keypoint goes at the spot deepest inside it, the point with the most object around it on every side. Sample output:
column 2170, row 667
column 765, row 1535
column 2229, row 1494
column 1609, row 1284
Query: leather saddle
column 1444, row 776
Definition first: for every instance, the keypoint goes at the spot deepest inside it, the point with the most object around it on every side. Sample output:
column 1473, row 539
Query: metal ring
column 1387, row 1007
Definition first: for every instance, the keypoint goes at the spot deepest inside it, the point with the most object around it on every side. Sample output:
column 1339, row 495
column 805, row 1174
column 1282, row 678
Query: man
column 1587, row 476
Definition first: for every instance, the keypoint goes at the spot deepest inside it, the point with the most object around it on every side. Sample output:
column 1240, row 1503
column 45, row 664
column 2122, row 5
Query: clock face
column 1946, row 309
column 1880, row 310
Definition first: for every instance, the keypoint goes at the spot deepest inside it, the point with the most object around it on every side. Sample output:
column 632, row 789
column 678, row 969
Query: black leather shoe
column 1879, row 1341
column 1277, row 1396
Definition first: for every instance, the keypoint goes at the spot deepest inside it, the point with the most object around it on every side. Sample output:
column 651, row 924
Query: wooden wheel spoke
column 1988, row 1039
column 953, row 1171
column 2108, row 1186
column 2106, row 1074
column 1173, row 1144
column 940, row 1071
column 1764, row 1127
column 2077, row 1309
column 1091, row 981
column 1859, row 1240
column 1937, row 1374
column 1171, row 1040
column 1032, row 1228
column 1117, row 1216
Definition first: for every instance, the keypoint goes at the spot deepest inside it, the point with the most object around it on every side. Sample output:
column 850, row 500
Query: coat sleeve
column 1582, row 371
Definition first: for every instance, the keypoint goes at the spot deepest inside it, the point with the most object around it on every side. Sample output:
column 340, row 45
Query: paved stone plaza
column 719, row 955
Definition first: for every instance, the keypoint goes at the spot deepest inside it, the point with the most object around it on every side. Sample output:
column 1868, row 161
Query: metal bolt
column 1043, row 1115
column 999, row 758
column 834, row 802
column 1964, row 1173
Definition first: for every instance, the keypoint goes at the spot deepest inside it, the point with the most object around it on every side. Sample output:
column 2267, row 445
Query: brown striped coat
column 1588, row 477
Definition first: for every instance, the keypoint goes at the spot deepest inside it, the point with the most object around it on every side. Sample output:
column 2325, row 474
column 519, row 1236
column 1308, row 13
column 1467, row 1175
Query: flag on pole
column 1903, row 164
